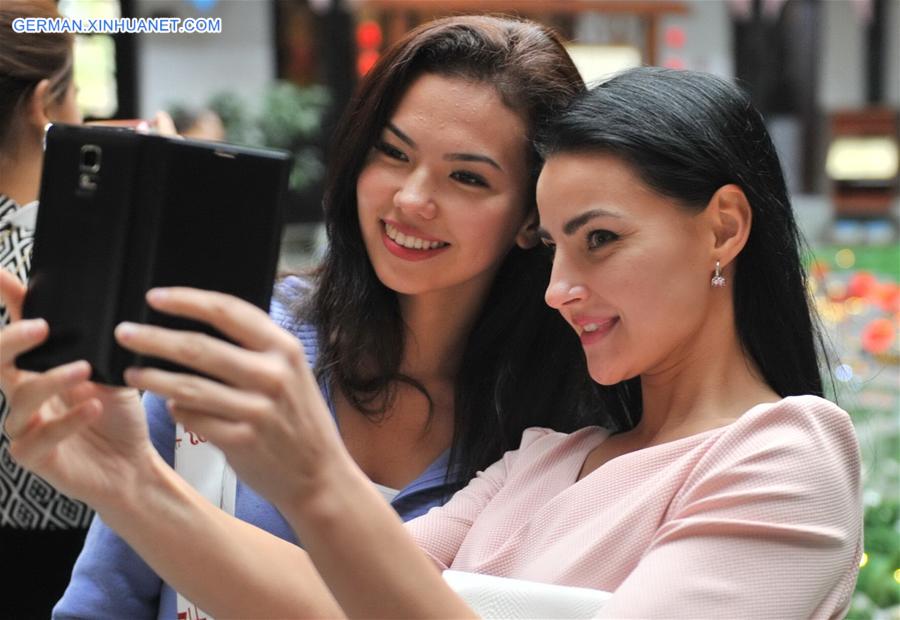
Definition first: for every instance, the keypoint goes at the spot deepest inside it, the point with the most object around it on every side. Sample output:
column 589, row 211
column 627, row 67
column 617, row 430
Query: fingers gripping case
column 122, row 212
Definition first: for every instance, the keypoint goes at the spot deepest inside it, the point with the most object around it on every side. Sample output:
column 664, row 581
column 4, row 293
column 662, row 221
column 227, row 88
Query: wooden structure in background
column 865, row 198
column 399, row 16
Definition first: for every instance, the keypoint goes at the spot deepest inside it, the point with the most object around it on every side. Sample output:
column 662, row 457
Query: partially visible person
column 202, row 124
column 41, row 529
column 161, row 124
column 732, row 492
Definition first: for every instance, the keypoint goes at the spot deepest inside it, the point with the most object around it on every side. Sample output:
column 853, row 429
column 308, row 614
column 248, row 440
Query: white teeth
column 591, row 327
column 408, row 241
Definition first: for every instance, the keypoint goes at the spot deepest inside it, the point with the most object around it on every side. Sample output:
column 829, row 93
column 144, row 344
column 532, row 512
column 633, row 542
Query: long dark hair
column 26, row 59
column 522, row 366
column 686, row 134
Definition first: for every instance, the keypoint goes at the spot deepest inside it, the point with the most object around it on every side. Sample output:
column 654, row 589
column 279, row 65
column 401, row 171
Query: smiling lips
column 592, row 330
column 410, row 245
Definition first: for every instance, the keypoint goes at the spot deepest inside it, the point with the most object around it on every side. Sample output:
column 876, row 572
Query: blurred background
column 825, row 73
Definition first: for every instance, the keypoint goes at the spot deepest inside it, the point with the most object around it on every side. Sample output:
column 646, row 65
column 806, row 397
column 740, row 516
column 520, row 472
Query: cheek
column 654, row 293
column 372, row 194
column 665, row 305
column 365, row 188
column 492, row 235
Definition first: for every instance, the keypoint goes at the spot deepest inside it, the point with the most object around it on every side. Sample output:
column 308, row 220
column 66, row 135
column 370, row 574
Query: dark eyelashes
column 599, row 238
column 390, row 151
column 462, row 176
column 595, row 240
column 469, row 178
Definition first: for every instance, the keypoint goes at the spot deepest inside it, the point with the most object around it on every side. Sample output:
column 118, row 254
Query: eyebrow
column 393, row 129
column 578, row 221
column 572, row 226
column 471, row 157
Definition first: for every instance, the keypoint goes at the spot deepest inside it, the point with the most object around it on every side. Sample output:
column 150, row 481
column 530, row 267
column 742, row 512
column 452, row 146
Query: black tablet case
column 158, row 211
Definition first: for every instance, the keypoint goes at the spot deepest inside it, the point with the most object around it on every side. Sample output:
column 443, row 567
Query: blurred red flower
column 889, row 298
column 878, row 336
column 862, row 284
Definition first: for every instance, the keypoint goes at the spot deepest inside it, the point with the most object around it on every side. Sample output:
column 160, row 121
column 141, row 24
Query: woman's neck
column 437, row 329
column 21, row 176
column 707, row 386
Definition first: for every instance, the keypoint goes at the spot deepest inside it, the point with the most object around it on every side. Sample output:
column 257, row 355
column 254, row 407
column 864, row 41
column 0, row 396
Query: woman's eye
column 469, row 178
column 598, row 238
column 391, row 151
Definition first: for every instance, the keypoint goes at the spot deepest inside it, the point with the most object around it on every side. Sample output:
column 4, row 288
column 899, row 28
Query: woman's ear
column 730, row 219
column 37, row 105
column 527, row 237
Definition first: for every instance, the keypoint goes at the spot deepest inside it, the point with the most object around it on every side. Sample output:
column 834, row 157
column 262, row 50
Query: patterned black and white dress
column 41, row 530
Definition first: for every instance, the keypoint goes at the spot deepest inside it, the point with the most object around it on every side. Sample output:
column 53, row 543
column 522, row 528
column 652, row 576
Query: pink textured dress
column 758, row 519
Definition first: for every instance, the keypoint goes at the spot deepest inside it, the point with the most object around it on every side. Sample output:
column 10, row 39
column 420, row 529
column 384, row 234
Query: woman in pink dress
column 735, row 493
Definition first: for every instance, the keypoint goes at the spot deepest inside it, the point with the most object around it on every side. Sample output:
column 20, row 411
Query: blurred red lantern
column 368, row 40
column 675, row 37
column 368, row 35
column 878, row 336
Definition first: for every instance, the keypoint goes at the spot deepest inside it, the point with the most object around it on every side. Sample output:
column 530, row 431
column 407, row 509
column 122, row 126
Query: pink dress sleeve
column 441, row 531
column 768, row 525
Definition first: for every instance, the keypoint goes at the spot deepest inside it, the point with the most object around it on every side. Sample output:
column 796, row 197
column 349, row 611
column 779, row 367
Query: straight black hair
column 522, row 365
column 686, row 134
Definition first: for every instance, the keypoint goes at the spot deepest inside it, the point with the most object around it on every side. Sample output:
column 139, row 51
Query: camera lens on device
column 90, row 157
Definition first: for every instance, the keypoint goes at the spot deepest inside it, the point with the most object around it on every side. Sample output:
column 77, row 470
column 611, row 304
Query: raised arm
column 109, row 579
column 228, row 567
column 264, row 409
column 92, row 443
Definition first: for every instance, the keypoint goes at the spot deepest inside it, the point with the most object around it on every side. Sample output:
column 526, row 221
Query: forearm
column 278, row 434
column 226, row 566
column 360, row 547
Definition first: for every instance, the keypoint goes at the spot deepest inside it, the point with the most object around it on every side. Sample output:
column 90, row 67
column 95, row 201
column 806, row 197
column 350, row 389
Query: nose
column 415, row 195
column 564, row 288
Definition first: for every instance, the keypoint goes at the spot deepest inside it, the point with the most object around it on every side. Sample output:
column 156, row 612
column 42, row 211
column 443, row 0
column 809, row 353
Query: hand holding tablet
column 123, row 212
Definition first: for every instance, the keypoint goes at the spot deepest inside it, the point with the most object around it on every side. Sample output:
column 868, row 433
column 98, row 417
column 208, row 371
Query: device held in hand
column 122, row 212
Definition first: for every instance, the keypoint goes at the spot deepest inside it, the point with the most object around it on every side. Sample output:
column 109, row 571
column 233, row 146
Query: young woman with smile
column 446, row 171
column 618, row 245
column 625, row 259
column 733, row 490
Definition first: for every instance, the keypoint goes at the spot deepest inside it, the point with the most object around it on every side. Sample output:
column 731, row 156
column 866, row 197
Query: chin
column 400, row 284
column 604, row 375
